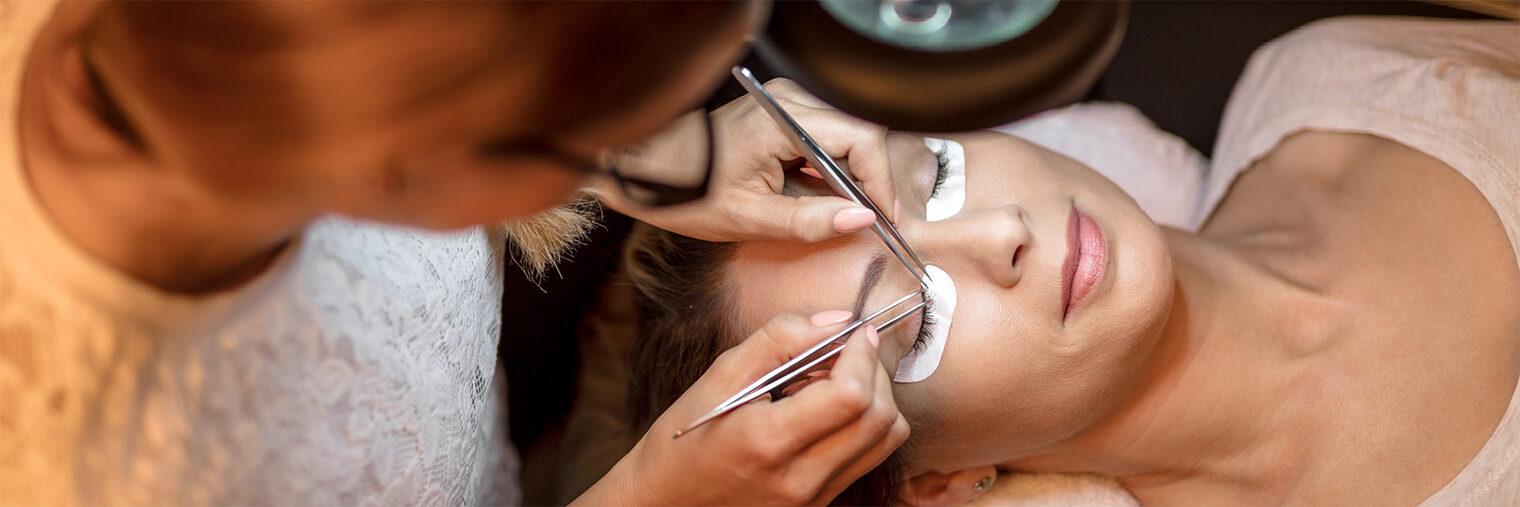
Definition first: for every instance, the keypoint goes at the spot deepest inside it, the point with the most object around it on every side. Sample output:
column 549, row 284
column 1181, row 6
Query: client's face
column 1063, row 285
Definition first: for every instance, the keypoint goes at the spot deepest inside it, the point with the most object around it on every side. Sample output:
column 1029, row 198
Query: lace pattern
column 364, row 374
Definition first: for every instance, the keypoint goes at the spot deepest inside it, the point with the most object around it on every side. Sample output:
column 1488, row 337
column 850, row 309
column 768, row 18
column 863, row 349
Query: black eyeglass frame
column 639, row 190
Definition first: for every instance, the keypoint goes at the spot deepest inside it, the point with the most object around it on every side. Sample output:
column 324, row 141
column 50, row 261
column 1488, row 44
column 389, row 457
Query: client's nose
column 987, row 241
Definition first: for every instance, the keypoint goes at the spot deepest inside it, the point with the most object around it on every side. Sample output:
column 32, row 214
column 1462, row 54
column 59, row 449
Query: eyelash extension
column 942, row 160
column 925, row 327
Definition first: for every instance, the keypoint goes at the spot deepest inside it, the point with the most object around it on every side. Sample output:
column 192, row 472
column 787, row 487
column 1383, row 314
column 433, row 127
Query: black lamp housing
column 1050, row 65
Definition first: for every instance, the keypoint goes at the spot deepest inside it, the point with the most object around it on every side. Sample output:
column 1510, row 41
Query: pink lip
column 1086, row 256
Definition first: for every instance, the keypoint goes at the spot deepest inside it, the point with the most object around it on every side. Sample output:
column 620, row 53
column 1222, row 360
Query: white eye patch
column 919, row 364
column 947, row 201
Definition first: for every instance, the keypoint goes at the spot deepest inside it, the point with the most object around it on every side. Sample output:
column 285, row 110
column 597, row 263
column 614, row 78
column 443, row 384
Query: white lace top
column 359, row 370
column 1450, row 89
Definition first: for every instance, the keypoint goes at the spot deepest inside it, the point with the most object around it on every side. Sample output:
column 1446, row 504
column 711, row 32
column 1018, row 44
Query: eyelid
column 893, row 284
column 915, row 324
column 949, row 194
column 905, row 333
column 941, row 168
column 915, row 173
column 932, row 177
column 923, row 325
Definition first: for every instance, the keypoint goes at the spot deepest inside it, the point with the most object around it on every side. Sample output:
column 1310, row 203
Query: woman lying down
column 1344, row 328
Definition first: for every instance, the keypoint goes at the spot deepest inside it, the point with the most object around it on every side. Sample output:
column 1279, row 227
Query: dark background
column 1177, row 63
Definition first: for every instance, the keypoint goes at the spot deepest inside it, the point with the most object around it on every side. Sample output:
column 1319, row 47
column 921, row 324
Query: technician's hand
column 803, row 449
column 744, row 199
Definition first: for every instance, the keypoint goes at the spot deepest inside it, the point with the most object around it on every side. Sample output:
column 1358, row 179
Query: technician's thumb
column 783, row 337
column 816, row 218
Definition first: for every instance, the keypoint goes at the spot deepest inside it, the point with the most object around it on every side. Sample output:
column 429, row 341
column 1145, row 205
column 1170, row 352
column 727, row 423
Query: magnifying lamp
column 943, row 65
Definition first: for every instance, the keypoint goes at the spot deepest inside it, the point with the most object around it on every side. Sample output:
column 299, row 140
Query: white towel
column 1158, row 169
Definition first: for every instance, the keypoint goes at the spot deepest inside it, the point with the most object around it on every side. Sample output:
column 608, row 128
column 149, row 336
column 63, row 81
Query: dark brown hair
column 686, row 320
column 685, row 317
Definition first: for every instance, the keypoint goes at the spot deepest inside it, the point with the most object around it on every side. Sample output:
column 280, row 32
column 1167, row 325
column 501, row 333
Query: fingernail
column 853, row 219
column 872, row 337
column 896, row 211
column 831, row 317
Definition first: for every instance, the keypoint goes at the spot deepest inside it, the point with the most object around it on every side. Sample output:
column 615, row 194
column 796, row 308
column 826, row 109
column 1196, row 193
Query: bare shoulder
column 1341, row 196
column 1394, row 232
column 1429, row 286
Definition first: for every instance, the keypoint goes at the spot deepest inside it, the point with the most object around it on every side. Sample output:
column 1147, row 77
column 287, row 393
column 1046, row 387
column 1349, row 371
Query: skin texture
column 380, row 135
column 373, row 154
column 1005, row 248
column 745, row 198
column 1349, row 293
column 376, row 111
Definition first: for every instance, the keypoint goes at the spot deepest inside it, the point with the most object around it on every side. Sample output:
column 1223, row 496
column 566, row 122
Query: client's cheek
column 893, row 346
column 920, row 405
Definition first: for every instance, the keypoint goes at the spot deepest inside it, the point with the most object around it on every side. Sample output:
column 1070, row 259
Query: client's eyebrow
column 874, row 270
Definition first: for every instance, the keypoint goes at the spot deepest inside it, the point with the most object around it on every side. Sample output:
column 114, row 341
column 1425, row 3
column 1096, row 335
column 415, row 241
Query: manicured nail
column 831, row 317
column 853, row 219
column 872, row 337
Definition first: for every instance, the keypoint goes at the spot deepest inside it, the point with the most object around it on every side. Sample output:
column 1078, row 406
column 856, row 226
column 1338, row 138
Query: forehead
column 771, row 277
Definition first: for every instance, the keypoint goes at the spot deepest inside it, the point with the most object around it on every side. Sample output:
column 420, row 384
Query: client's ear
column 932, row 489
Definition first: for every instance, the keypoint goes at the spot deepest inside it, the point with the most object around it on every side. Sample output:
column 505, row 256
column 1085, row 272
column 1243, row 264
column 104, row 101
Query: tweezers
column 836, row 176
column 777, row 380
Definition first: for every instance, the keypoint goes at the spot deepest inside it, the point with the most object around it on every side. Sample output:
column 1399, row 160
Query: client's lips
column 1086, row 256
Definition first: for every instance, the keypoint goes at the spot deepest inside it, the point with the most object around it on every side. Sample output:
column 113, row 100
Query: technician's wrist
column 622, row 487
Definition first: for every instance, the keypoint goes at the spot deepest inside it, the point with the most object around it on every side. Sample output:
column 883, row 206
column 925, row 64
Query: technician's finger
column 859, row 142
column 778, row 341
column 864, row 147
column 807, row 218
column 828, row 405
column 869, row 164
column 786, row 90
column 875, row 446
column 872, row 430
column 868, row 460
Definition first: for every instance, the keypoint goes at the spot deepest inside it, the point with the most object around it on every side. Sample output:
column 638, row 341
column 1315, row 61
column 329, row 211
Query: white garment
column 1450, row 89
column 359, row 369
column 1159, row 170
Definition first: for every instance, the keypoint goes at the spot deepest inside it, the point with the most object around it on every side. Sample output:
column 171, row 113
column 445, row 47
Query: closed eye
column 949, row 192
column 942, row 168
column 926, row 323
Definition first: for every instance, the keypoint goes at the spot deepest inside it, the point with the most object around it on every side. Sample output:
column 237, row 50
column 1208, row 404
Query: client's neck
column 1212, row 418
